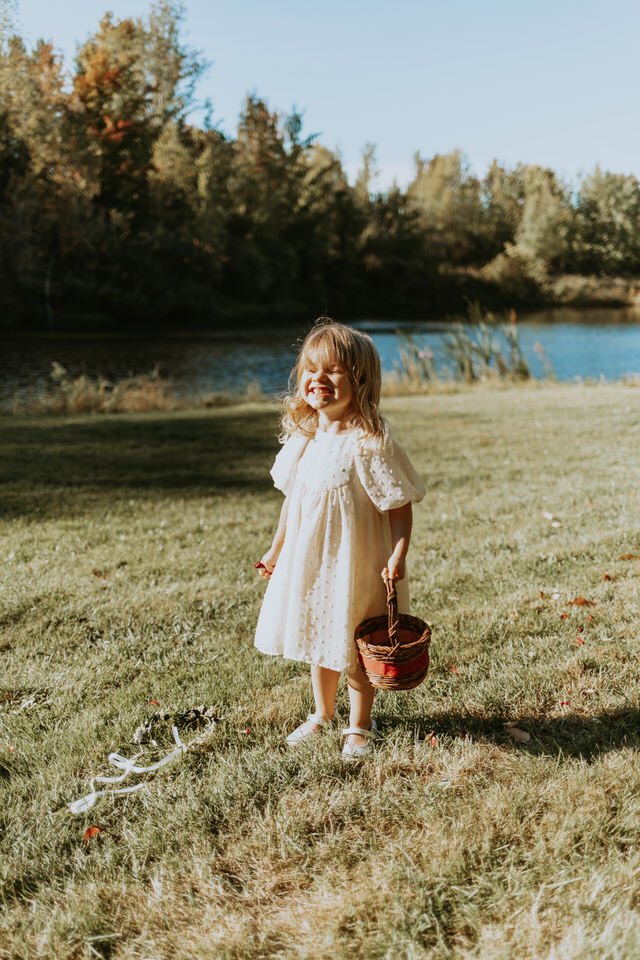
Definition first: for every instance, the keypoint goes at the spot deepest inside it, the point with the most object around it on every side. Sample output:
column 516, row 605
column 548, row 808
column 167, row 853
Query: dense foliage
column 114, row 206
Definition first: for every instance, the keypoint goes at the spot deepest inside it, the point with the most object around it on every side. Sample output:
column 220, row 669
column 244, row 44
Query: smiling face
column 326, row 387
column 335, row 383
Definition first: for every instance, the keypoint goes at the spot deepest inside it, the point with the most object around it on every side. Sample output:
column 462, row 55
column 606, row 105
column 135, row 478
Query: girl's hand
column 265, row 565
column 395, row 568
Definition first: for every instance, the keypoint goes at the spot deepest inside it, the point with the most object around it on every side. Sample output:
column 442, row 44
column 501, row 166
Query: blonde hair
column 356, row 353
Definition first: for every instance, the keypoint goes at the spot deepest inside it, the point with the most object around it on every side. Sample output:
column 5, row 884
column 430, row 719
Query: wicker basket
column 394, row 649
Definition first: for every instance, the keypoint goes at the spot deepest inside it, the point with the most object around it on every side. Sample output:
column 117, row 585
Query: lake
column 578, row 343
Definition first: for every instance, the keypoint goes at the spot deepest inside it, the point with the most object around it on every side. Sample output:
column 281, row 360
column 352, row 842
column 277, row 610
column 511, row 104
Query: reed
column 143, row 393
column 479, row 349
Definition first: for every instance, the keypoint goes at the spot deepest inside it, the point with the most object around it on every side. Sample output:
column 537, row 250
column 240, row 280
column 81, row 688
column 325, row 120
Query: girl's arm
column 401, row 521
column 270, row 558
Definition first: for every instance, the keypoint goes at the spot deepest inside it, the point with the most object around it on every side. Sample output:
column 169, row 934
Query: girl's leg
column 325, row 686
column 361, row 695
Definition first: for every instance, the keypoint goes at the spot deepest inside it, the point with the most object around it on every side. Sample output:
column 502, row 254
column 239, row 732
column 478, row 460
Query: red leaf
column 541, row 594
column 563, row 616
column 432, row 738
column 629, row 556
column 590, row 618
column 92, row 832
column 154, row 703
column 453, row 670
column 580, row 602
column 580, row 641
column 606, row 577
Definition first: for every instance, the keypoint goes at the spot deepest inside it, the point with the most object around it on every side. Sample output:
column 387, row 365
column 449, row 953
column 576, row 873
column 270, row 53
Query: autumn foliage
column 122, row 200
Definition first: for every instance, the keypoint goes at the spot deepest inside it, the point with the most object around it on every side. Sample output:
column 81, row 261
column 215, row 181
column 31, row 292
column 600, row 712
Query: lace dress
column 338, row 539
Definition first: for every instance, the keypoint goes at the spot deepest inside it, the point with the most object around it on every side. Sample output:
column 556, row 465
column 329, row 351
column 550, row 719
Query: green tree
column 447, row 198
column 543, row 233
column 503, row 194
column 607, row 224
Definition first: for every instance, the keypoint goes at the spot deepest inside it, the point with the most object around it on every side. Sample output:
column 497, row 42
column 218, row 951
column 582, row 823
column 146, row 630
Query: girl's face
column 326, row 387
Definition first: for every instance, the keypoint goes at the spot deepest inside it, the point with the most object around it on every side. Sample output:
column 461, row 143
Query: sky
column 555, row 82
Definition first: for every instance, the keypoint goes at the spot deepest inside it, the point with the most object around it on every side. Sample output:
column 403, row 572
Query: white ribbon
column 127, row 765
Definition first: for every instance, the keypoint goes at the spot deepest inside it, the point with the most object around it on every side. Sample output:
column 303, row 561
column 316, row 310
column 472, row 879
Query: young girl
column 345, row 524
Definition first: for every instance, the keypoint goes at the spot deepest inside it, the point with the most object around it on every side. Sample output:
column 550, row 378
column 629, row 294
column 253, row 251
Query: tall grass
column 126, row 578
column 143, row 393
column 479, row 349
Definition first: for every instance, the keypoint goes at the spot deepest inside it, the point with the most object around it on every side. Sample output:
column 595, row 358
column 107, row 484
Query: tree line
column 115, row 207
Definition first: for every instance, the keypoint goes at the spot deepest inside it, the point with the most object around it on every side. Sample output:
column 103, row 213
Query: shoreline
column 468, row 285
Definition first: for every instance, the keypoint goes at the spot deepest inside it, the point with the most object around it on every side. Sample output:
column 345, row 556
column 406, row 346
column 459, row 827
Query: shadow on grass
column 572, row 735
column 185, row 454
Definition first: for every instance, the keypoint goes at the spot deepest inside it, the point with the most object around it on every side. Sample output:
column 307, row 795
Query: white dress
column 338, row 539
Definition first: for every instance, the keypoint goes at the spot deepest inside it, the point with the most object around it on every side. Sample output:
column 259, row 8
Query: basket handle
column 392, row 607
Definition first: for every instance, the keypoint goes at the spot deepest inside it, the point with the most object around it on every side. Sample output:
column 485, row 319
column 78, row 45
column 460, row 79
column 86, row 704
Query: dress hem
column 301, row 659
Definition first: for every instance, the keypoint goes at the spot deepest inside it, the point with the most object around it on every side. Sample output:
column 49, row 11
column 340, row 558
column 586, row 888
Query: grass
column 125, row 577
column 143, row 393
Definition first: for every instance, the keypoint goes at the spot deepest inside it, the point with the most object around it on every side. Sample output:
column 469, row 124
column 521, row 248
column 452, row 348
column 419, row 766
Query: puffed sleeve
column 285, row 465
column 387, row 475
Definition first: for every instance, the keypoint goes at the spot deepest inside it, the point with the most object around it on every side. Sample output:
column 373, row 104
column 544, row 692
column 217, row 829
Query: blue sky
column 555, row 82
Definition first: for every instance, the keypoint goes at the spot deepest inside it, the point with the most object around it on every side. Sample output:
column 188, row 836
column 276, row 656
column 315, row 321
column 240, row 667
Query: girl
column 346, row 519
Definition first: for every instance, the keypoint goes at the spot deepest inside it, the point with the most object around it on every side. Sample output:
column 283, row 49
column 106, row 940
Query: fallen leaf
column 11, row 749
column 563, row 616
column 590, row 618
column 520, row 735
column 154, row 703
column 580, row 641
column 453, row 670
column 580, row 602
column 606, row 576
column 433, row 739
column 92, row 832
column 541, row 593
column 463, row 734
column 102, row 574
column 629, row 556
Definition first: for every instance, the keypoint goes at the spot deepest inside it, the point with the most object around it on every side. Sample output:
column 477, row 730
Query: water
column 578, row 343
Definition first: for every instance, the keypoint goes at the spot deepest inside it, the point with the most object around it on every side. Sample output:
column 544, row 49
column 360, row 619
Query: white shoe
column 303, row 732
column 351, row 752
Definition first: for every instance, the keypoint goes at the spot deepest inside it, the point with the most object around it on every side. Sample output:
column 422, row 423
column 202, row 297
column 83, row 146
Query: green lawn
column 126, row 576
